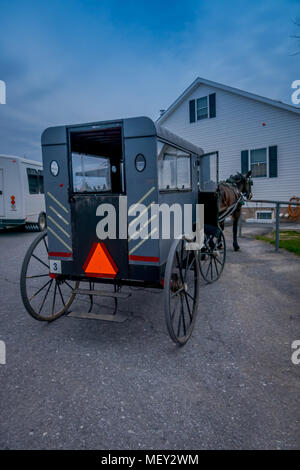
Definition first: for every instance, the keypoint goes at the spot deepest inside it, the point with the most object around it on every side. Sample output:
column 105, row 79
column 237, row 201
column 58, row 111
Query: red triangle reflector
column 99, row 263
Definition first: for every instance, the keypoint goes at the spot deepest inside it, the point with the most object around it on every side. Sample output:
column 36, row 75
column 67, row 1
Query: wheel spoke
column 182, row 248
column 180, row 272
column 191, row 264
column 208, row 268
column 190, row 296
column 65, row 282
column 183, row 320
column 174, row 294
column 188, row 269
column 60, row 293
column 216, row 266
column 186, row 263
column 37, row 292
column 218, row 261
column 47, row 292
column 179, row 321
column 175, row 308
column 54, row 297
column 34, row 256
column 188, row 306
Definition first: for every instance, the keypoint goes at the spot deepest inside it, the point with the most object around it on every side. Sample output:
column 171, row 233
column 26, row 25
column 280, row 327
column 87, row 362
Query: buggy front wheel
column 45, row 296
column 181, row 291
column 212, row 255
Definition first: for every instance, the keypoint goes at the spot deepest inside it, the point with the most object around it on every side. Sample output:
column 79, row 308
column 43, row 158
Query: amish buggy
column 115, row 172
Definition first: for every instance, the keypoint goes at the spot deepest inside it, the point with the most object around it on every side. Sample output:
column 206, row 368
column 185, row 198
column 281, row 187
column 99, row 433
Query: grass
column 288, row 239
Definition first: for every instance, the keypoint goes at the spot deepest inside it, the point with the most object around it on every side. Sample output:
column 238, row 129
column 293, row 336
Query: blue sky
column 73, row 61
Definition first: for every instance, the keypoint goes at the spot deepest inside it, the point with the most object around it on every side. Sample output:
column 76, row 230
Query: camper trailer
column 21, row 193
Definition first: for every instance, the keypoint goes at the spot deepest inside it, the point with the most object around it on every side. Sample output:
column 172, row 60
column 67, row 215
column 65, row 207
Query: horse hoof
column 236, row 248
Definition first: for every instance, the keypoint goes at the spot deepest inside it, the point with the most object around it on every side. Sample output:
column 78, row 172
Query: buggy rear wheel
column 212, row 256
column 46, row 297
column 181, row 291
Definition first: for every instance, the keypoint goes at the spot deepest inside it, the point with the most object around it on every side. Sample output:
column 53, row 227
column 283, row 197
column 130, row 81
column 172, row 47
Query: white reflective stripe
column 142, row 227
column 58, row 215
column 142, row 213
column 58, row 203
column 58, row 237
column 142, row 241
column 131, row 209
column 57, row 225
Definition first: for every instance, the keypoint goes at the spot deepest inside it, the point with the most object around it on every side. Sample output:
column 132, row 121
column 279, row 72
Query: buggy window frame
column 169, row 150
column 120, row 163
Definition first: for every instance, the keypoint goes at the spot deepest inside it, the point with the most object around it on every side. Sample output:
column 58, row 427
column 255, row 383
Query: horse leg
column 220, row 244
column 235, row 216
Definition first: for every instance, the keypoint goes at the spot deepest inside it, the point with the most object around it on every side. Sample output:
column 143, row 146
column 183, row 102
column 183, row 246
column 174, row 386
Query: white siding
column 238, row 126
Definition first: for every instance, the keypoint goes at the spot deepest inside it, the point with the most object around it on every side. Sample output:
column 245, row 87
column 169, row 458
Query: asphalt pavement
column 86, row 384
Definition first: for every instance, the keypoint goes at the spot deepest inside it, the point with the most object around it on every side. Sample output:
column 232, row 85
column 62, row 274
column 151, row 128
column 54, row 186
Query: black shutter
column 244, row 161
column 273, row 161
column 212, row 105
column 192, row 111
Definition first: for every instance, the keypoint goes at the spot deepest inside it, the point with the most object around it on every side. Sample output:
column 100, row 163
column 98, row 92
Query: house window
column 258, row 163
column 264, row 215
column 202, row 108
column 174, row 169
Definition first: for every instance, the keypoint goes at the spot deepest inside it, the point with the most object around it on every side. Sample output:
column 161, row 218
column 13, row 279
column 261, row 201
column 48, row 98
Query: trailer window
column 174, row 169
column 41, row 181
column 33, row 181
column 90, row 173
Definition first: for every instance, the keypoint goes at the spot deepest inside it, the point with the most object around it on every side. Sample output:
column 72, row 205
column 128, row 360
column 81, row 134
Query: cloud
column 71, row 62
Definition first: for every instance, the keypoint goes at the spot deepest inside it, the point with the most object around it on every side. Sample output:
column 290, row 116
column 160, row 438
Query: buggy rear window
column 96, row 159
column 90, row 173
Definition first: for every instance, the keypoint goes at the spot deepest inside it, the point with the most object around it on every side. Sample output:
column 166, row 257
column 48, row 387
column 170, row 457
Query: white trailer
column 22, row 200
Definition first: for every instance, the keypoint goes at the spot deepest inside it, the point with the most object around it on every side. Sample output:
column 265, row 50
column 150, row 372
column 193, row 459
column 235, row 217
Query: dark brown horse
column 232, row 192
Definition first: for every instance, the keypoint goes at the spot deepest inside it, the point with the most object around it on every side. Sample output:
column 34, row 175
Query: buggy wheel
column 213, row 255
column 181, row 291
column 44, row 296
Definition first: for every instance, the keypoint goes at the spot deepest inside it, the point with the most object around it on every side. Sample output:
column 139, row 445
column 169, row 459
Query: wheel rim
column 45, row 297
column 212, row 256
column 181, row 292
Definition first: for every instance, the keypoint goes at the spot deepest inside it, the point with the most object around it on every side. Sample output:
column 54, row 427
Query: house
column 248, row 131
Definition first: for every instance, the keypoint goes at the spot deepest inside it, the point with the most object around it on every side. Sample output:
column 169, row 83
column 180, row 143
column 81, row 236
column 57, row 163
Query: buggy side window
column 33, row 181
column 167, row 172
column 174, row 169
column 183, row 171
column 91, row 173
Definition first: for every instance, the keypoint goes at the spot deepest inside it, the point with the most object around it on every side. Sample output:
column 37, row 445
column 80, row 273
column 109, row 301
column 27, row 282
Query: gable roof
column 237, row 91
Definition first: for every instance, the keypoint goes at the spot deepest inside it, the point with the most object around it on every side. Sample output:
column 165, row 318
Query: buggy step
column 102, row 293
